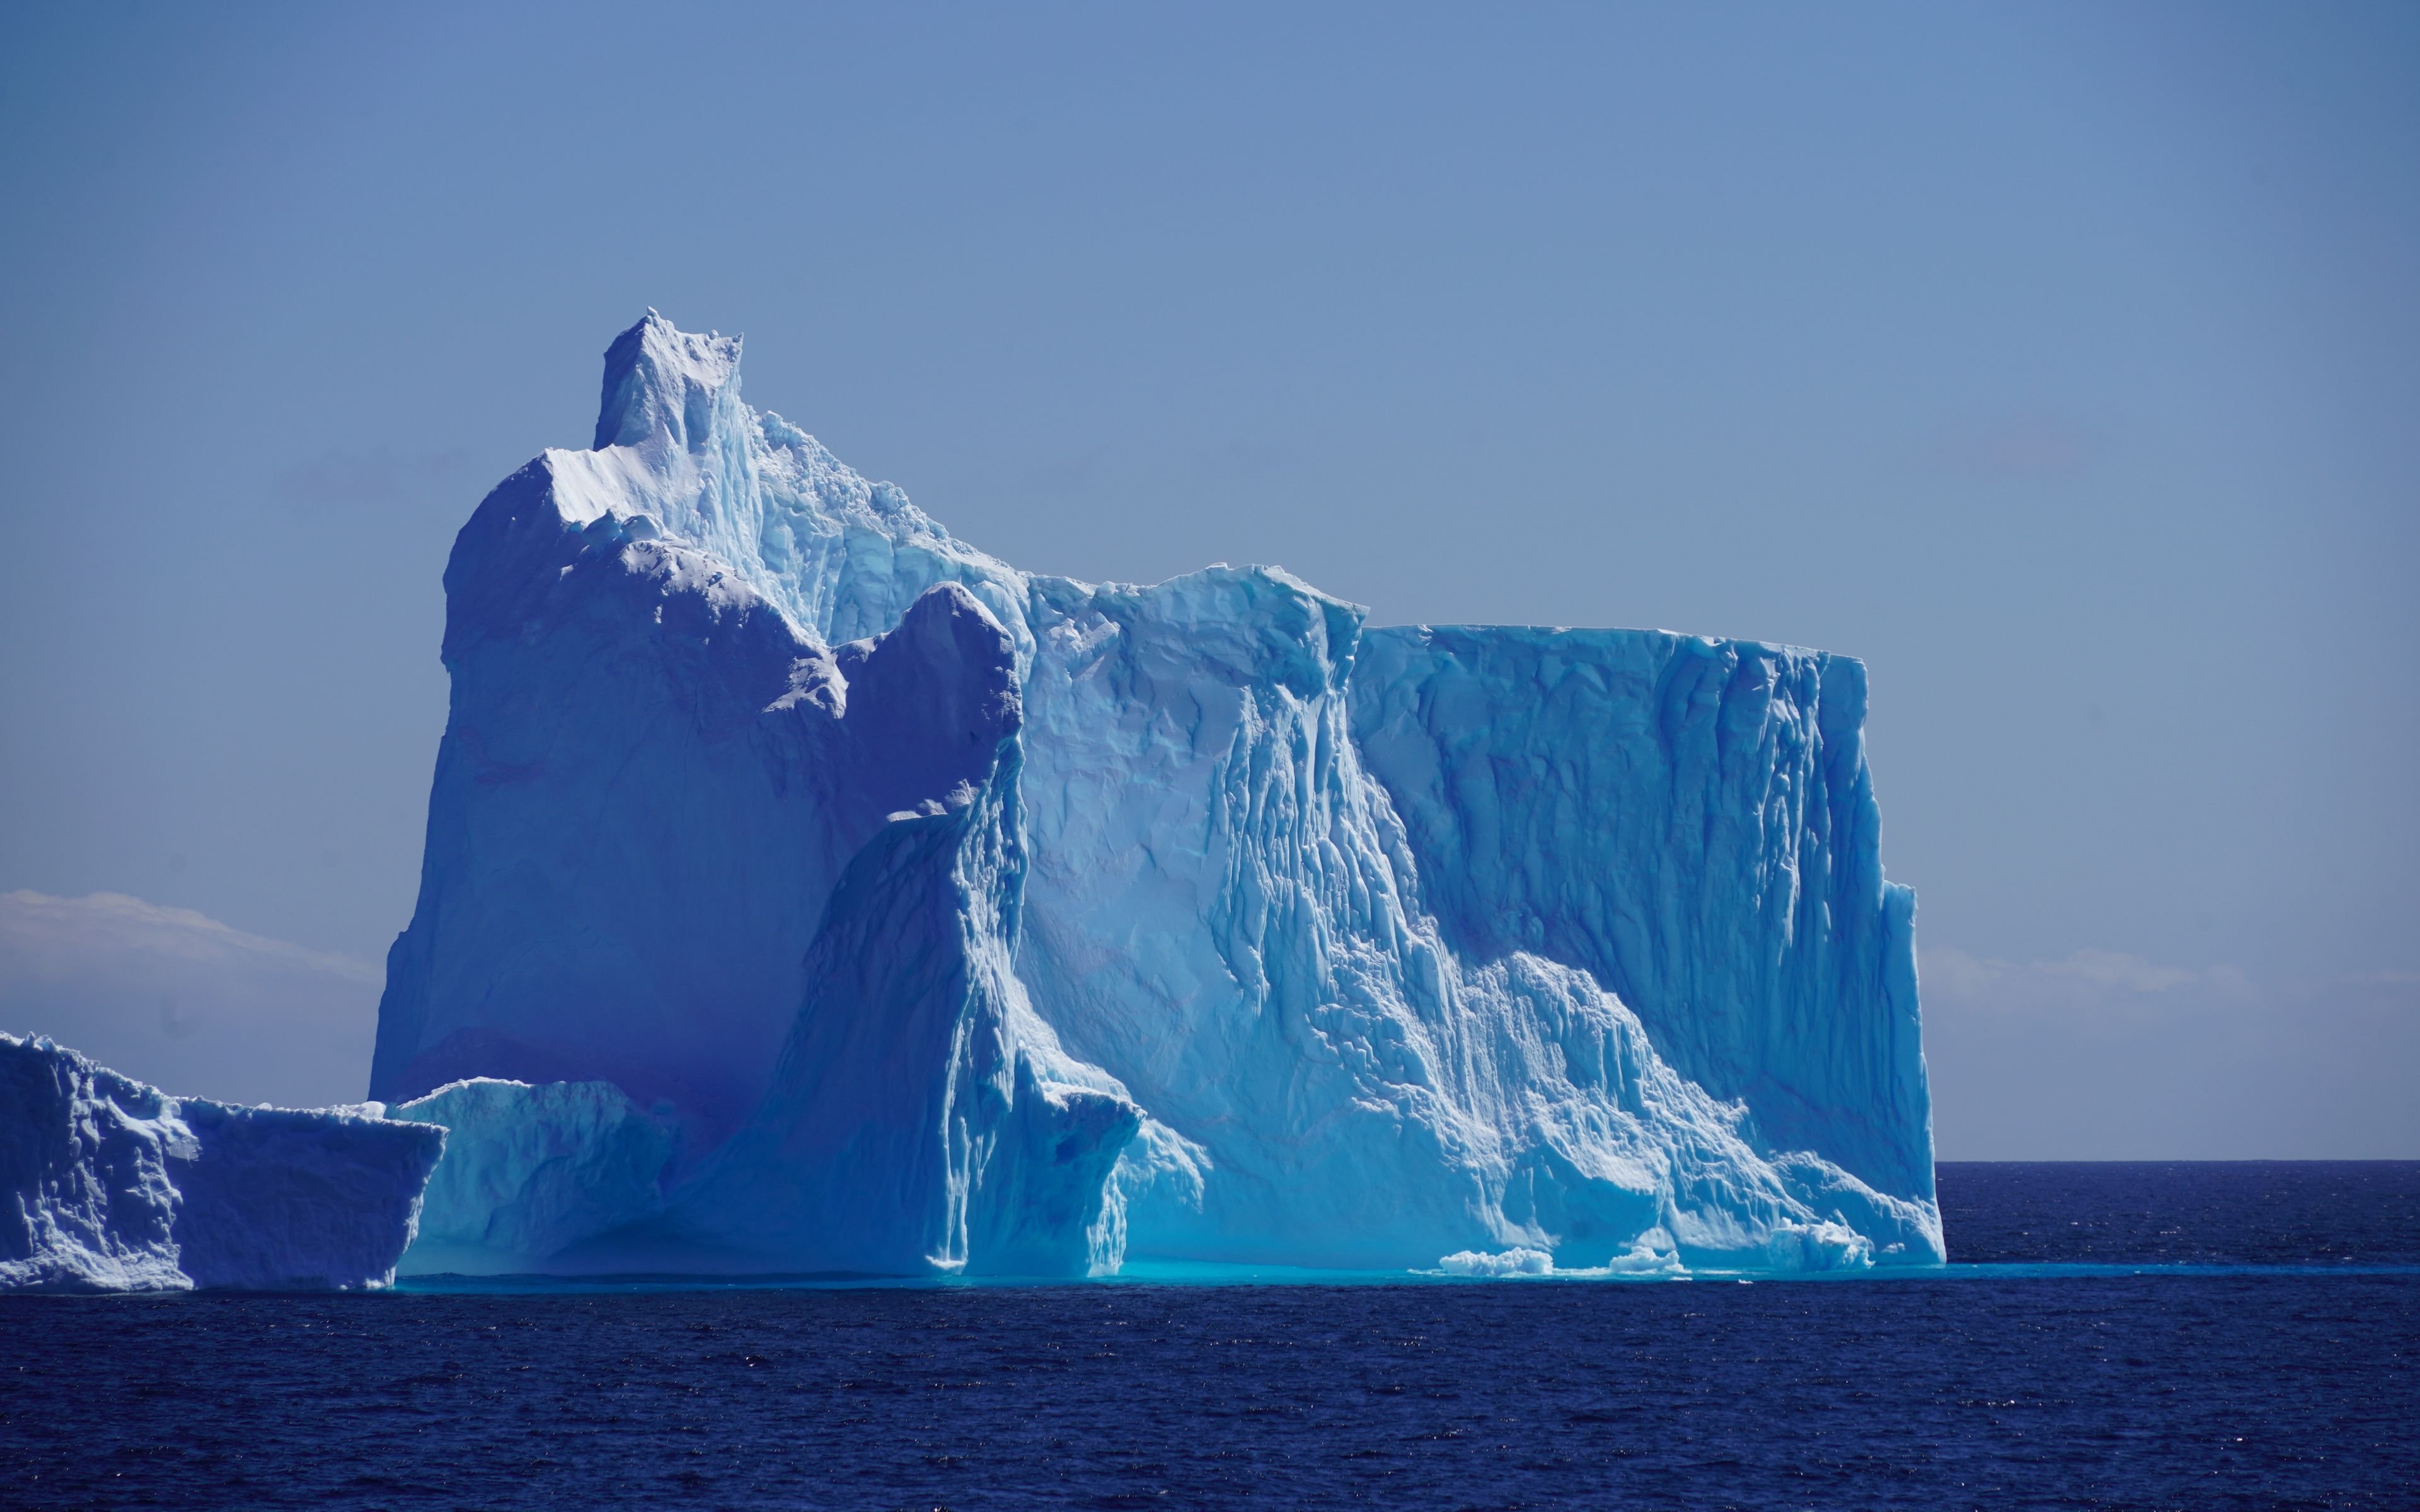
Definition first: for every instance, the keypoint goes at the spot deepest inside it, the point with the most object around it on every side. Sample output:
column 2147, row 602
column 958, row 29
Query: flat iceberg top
column 1587, row 642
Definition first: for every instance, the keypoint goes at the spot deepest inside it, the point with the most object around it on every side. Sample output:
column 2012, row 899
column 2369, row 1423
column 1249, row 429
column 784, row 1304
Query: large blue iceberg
column 807, row 890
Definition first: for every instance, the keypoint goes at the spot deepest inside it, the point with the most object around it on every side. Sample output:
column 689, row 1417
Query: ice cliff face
column 1227, row 911
column 951, row 919
column 109, row 1185
column 1691, row 823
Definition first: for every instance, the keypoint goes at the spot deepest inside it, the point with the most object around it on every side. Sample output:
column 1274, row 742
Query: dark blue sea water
column 2137, row 1336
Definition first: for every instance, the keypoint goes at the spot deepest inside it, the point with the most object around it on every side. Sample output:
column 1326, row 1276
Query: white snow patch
column 1515, row 1261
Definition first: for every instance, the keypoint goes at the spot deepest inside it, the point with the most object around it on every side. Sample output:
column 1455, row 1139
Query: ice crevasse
column 807, row 890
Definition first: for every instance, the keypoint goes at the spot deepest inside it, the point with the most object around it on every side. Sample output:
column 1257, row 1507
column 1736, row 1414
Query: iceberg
column 113, row 1185
column 806, row 889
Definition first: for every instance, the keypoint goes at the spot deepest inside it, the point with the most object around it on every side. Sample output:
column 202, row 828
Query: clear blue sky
column 2061, row 361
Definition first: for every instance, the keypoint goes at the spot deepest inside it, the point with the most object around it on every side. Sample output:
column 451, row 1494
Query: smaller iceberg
column 1514, row 1262
column 1652, row 1257
column 1818, row 1246
column 113, row 1185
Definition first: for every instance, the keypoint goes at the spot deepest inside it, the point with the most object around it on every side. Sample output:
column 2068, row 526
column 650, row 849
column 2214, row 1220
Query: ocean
column 2189, row 1335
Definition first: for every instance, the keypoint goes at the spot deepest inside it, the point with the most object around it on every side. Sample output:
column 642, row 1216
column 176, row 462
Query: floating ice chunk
column 1514, row 1262
column 1651, row 1258
column 1646, row 1258
column 1818, row 1246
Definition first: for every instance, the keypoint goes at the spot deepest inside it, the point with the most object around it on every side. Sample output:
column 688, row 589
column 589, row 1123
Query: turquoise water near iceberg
column 2235, row 1336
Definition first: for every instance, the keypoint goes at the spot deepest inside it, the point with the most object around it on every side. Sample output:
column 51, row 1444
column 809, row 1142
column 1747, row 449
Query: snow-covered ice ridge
column 107, row 1184
column 807, row 890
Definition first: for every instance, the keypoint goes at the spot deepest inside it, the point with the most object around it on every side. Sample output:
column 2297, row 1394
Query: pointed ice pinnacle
column 662, row 385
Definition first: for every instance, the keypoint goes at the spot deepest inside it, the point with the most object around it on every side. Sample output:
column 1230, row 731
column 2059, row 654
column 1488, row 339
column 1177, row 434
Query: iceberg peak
column 663, row 384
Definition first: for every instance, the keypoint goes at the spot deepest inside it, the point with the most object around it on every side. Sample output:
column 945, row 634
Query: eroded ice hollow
column 809, row 892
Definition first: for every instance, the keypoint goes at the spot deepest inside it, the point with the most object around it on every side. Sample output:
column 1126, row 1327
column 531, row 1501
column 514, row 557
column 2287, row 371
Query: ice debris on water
column 1511, row 1262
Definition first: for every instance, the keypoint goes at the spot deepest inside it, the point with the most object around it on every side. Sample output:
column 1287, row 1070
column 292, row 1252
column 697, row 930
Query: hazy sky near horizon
column 2061, row 361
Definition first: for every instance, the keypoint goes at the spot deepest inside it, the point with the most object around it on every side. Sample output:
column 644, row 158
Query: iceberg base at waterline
column 118, row 1186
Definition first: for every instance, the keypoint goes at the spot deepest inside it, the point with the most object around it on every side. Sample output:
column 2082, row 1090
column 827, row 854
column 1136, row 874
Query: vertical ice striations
column 1228, row 913
column 1192, row 918
column 1689, row 820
